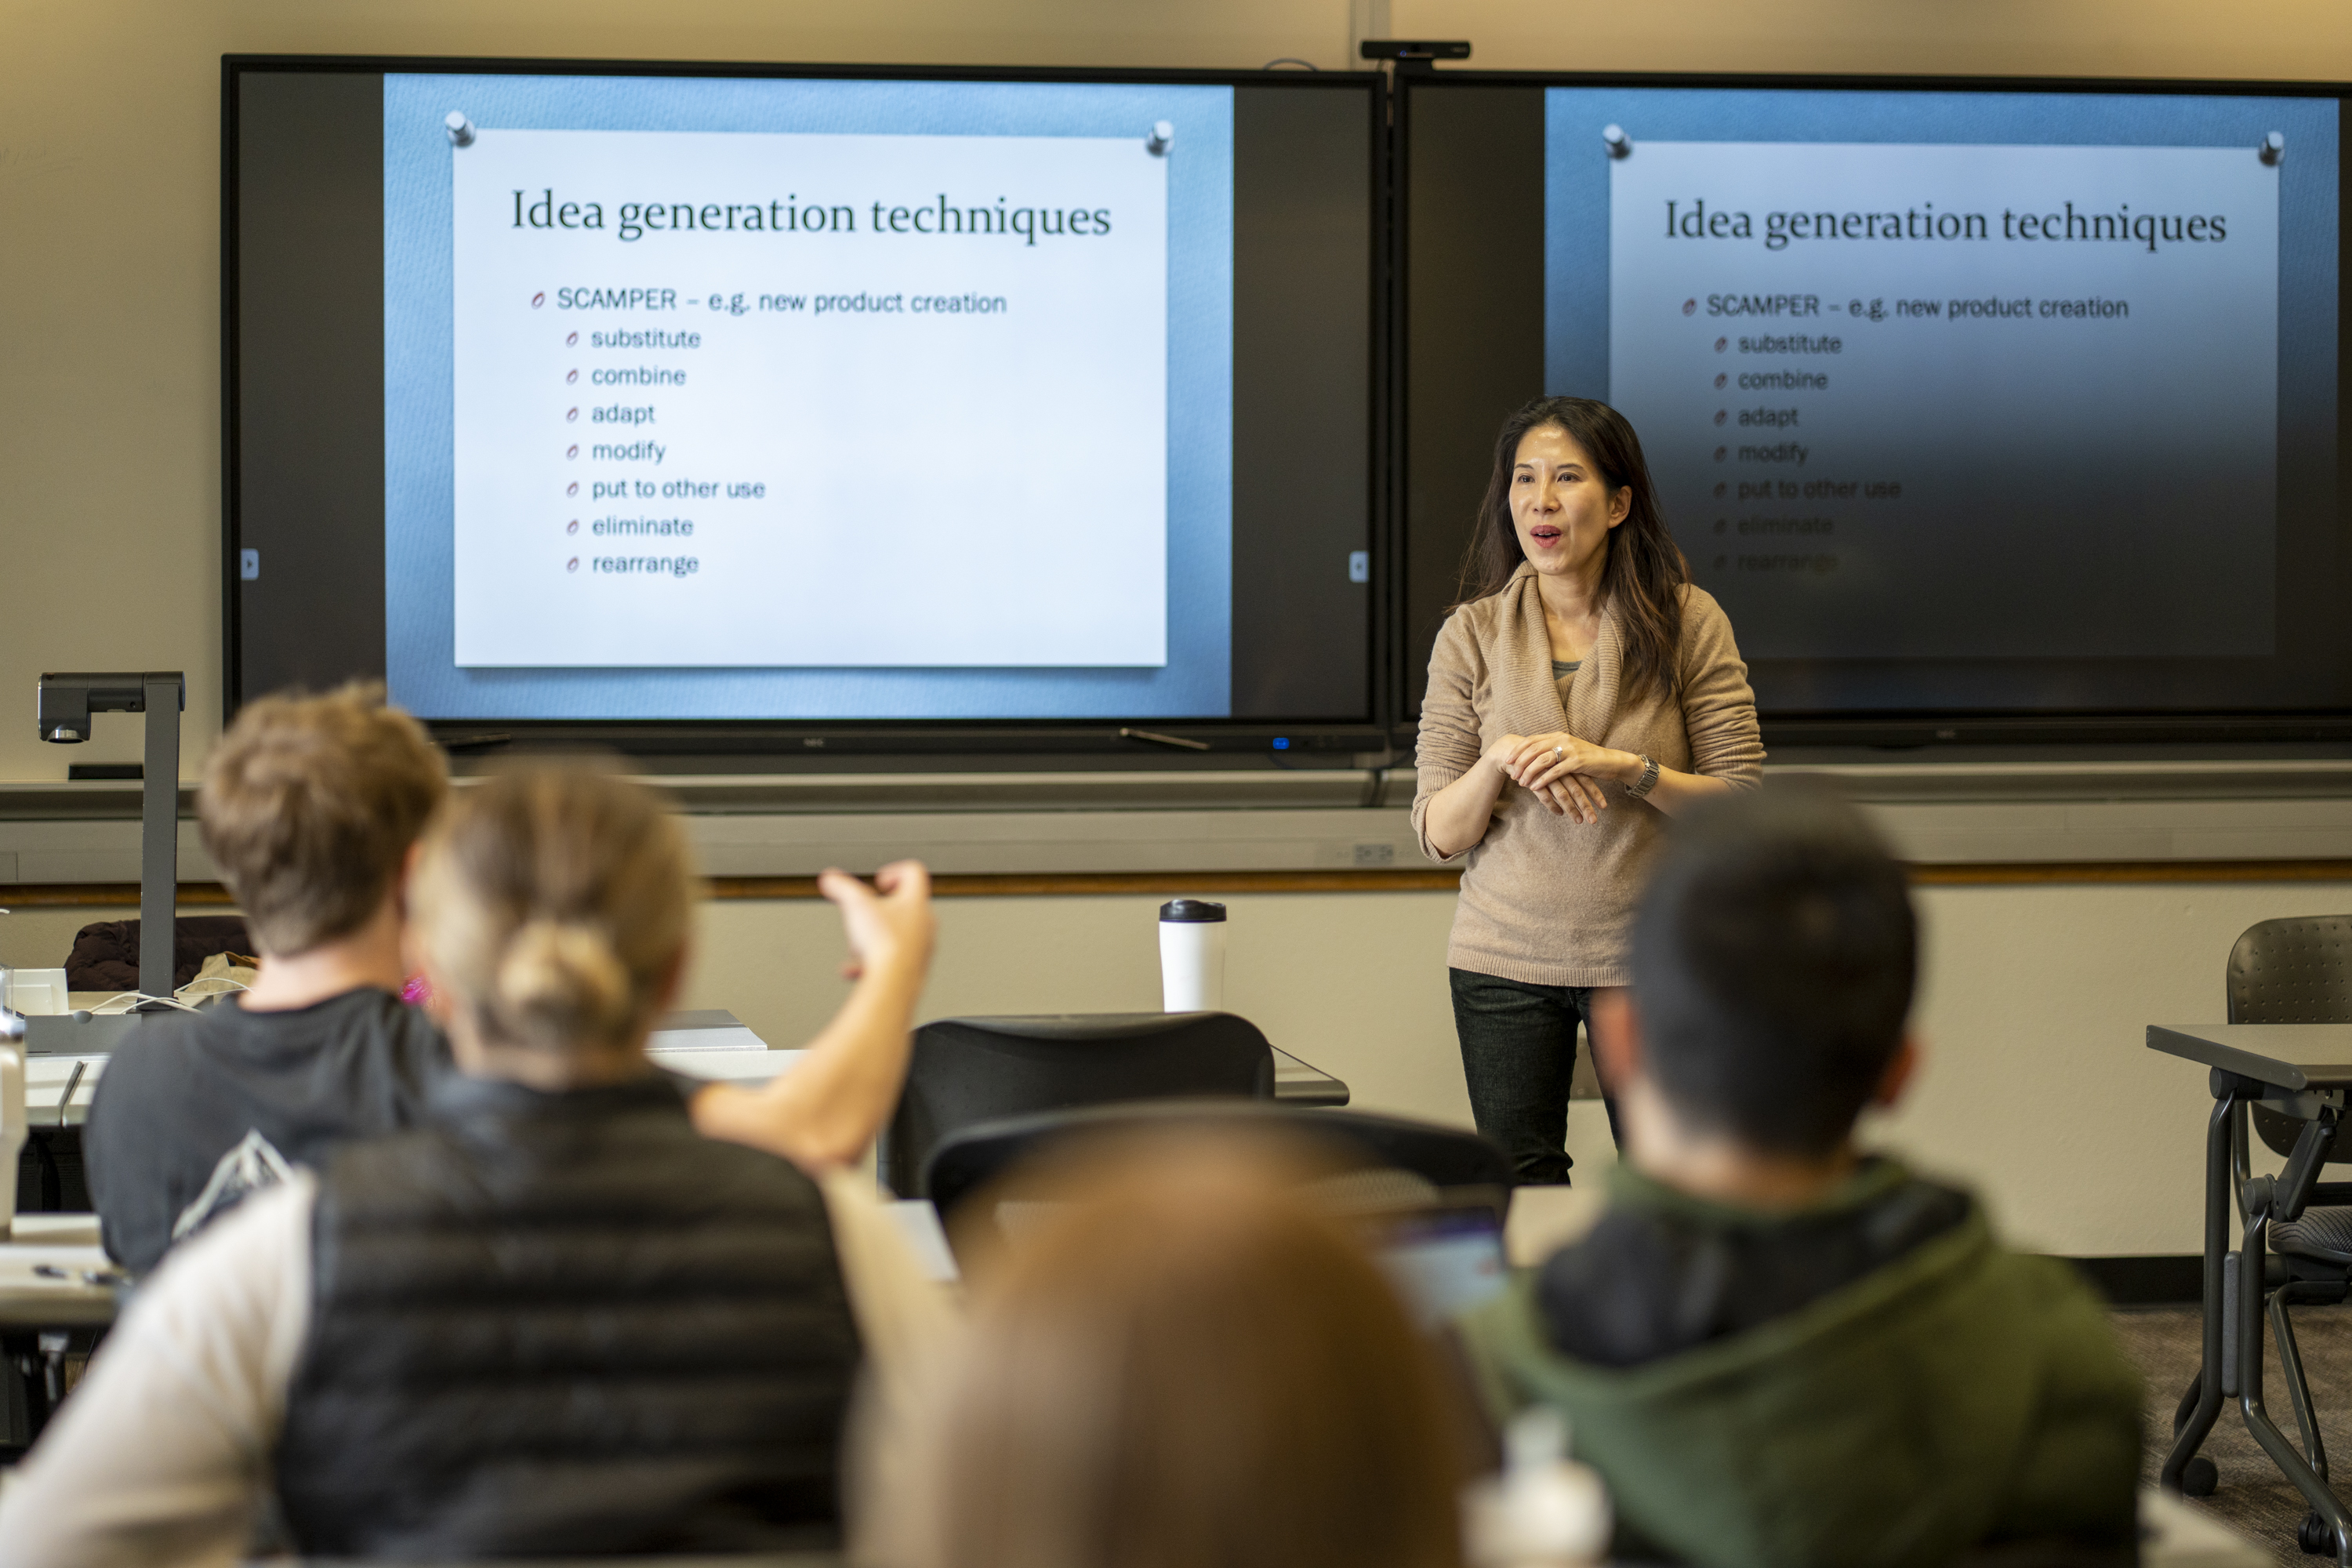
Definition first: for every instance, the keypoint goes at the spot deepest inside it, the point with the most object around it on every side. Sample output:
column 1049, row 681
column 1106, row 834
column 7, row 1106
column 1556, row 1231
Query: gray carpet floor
column 2254, row 1497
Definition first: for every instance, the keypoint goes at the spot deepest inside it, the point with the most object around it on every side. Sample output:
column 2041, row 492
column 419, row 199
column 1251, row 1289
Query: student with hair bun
column 311, row 808
column 552, row 1318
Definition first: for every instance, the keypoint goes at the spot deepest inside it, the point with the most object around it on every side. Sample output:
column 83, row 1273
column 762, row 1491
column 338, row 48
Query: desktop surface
column 2294, row 1056
column 54, row 1274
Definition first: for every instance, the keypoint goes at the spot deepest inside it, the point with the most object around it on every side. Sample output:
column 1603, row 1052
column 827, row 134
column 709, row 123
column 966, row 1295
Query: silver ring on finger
column 1559, row 754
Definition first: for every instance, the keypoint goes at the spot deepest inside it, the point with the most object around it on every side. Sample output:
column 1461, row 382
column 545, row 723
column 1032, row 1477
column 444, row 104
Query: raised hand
column 888, row 924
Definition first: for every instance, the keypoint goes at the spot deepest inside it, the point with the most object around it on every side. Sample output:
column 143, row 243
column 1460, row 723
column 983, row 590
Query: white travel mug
column 1192, row 956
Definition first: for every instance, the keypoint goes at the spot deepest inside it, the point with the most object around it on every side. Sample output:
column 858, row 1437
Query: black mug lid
column 1191, row 912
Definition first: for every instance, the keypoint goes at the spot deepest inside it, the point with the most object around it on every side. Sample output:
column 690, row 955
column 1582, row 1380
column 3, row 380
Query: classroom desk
column 2302, row 1071
column 679, row 1043
column 54, row 1279
column 710, row 1043
column 2289, row 1056
column 1295, row 1082
column 54, row 1274
column 57, row 1089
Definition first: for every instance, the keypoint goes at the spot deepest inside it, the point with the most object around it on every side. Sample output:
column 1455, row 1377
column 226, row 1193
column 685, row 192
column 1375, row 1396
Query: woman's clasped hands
column 1560, row 770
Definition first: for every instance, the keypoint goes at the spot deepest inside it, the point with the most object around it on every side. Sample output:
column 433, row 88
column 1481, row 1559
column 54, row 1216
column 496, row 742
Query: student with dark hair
column 1582, row 691
column 1778, row 1349
column 311, row 809
column 550, row 1319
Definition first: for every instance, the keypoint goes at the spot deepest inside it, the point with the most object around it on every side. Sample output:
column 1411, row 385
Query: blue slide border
column 420, row 426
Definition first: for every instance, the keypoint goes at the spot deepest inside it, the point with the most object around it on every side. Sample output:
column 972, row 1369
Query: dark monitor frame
column 2023, row 732
column 1085, row 742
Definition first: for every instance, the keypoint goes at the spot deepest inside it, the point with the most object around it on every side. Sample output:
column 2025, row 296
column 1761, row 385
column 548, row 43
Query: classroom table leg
column 2291, row 1367
column 2330, row 1520
column 2200, row 1405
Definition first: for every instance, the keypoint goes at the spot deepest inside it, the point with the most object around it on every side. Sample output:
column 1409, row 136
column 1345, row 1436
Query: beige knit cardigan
column 1546, row 900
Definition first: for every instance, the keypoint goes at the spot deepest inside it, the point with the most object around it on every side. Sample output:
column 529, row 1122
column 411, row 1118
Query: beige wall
column 2038, row 1088
column 109, row 478
column 2304, row 40
column 110, row 473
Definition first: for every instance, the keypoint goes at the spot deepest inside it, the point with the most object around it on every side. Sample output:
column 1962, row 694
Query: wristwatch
column 1647, row 782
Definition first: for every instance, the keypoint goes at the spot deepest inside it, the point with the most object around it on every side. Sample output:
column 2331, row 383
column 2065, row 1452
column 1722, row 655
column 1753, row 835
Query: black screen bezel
column 1905, row 728
column 1307, row 740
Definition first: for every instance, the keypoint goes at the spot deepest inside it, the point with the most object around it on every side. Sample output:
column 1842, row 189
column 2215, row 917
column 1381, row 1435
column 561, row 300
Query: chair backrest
column 1435, row 1160
column 966, row 1070
column 2292, row 970
column 2296, row 969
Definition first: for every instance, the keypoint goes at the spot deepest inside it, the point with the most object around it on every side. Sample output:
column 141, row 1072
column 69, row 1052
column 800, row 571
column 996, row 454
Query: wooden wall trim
column 99, row 895
column 1393, row 879
column 2027, row 873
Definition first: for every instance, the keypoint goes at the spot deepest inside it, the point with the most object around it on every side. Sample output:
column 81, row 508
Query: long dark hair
column 1643, row 578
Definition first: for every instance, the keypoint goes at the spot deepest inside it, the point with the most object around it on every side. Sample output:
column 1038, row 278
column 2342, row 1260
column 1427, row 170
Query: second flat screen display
column 1955, row 400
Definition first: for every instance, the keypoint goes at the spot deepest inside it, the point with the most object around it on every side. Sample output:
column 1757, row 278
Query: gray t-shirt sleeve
column 123, row 1160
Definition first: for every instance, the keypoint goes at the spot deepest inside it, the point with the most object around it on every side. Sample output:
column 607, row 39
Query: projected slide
column 807, row 399
column 743, row 399
column 1978, row 380
column 1868, row 366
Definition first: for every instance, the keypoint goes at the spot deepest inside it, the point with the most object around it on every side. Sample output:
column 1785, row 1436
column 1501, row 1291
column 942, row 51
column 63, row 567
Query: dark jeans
column 1518, row 1054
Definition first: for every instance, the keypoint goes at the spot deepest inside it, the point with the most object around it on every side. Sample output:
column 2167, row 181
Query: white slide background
column 935, row 489
column 2015, row 458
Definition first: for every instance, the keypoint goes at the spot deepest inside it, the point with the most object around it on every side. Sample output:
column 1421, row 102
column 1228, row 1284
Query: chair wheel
column 2315, row 1536
column 2201, row 1478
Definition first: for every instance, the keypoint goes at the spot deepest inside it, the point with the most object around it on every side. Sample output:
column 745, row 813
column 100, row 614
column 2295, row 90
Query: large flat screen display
column 578, row 395
column 1965, row 401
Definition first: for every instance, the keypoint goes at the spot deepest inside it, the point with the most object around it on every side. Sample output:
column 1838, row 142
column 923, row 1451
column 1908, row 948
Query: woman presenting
column 1581, row 691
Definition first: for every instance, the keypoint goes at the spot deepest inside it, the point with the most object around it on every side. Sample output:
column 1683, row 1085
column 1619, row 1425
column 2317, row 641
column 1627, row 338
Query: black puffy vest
column 566, row 1323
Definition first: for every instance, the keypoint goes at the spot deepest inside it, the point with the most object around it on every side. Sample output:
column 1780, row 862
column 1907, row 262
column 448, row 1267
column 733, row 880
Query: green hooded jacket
column 1961, row 1394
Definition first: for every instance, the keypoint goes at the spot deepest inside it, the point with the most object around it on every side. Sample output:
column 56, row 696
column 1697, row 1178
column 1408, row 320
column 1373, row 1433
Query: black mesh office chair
column 1366, row 1161
column 2298, row 1231
column 966, row 1070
